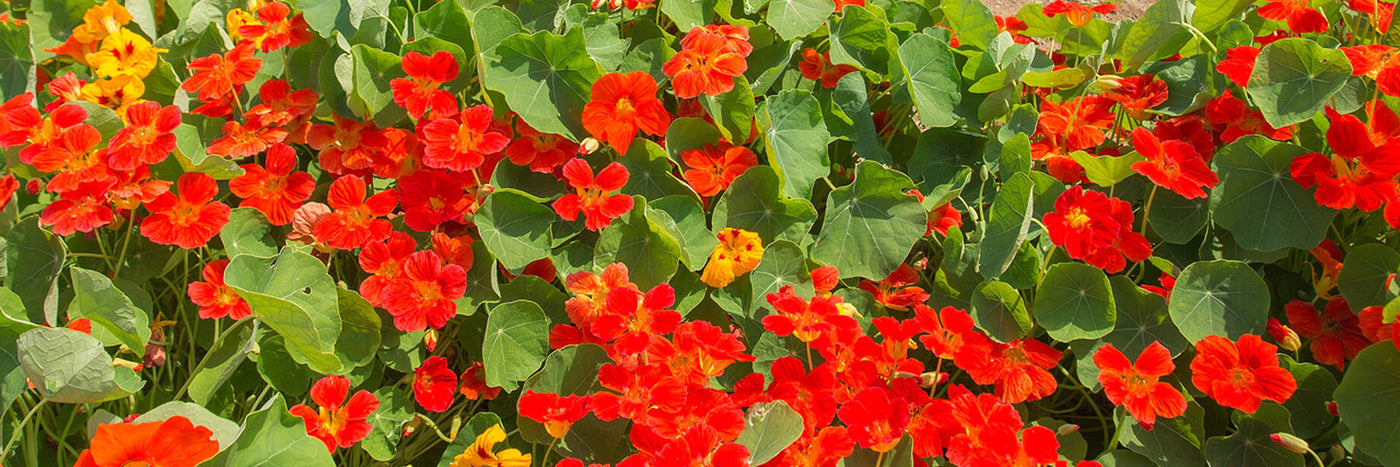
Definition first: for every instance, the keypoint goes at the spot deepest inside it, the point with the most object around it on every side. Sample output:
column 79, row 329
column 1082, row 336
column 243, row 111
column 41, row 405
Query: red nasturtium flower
column 216, row 299
column 817, row 67
column 1018, row 369
column 1335, row 332
column 281, row 106
column 876, row 418
column 422, row 88
column 621, row 104
column 462, row 142
column 1361, row 171
column 474, row 384
column 1174, row 165
column 707, row 65
column 218, row 74
column 8, row 186
column 1238, row 64
column 944, row 329
column 1232, row 118
column 594, row 196
column 1080, row 122
column 424, row 293
column 1097, row 229
column 1078, row 14
column 80, row 210
column 187, row 220
column 715, row 166
column 539, row 151
column 338, row 423
column 173, row 442
column 277, row 190
column 346, row 144
column 1240, row 375
column 243, row 140
column 737, row 253
column 897, row 291
column 1134, row 385
column 1300, row 17
column 558, row 414
column 356, row 220
column 275, row 30
column 1138, row 94
column 432, row 197
column 434, row 384
column 146, row 139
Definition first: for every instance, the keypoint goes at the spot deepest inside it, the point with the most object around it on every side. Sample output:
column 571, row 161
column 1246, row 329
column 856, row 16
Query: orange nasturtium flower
column 423, row 86
column 715, row 166
column 274, row 30
column 558, row 414
column 1078, row 14
column 706, row 66
column 215, row 298
column 1241, row 374
column 619, row 105
column 1134, row 385
column 276, row 190
column 480, row 454
column 356, row 220
column 117, row 93
column 594, row 196
column 173, row 442
column 187, row 220
column 337, row 423
column 738, row 253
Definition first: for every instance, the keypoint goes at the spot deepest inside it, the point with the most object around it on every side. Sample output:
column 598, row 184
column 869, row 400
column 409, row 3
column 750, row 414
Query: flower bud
column 1332, row 408
column 430, row 340
column 1108, row 82
column 1336, row 451
column 1066, row 429
column 587, row 146
column 1290, row 442
column 932, row 379
column 1285, row 337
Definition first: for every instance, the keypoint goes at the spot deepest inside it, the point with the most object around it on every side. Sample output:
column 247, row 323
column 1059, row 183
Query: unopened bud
column 1066, row 429
column 1332, row 408
column 1108, row 82
column 430, row 340
column 847, row 309
column 32, row 187
column 1336, row 451
column 133, row 366
column 932, row 379
column 587, row 146
column 904, row 374
column 1290, row 442
column 1285, row 337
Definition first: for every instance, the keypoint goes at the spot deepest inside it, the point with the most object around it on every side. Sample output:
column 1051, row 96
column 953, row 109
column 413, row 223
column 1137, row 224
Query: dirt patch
column 1126, row 9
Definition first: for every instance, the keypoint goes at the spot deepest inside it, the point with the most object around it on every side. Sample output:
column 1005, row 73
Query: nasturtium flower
column 281, row 106
column 806, row 320
column 621, row 104
column 1361, row 171
column 875, row 418
column 1335, row 331
column 1286, row 338
column 338, row 423
column 1139, row 94
column 1300, row 17
column 246, row 139
column 8, row 186
column 556, row 413
column 384, row 261
column 276, row 190
column 434, row 384
column 1241, row 374
column 116, row 93
column 1018, row 368
column 423, row 86
column 735, row 38
column 540, row 152
column 425, row 293
column 701, row 351
column 1238, row 64
column 707, row 66
column 737, row 253
column 1135, row 385
column 482, row 452
column 274, row 30
column 474, row 384
column 1077, row 13
column 595, row 197
column 346, row 144
column 1232, row 118
column 173, row 442
column 146, row 138
column 631, row 318
column 218, row 74
column 461, row 142
column 714, row 167
column 1097, row 229
column 1172, row 164
column 944, row 329
column 432, row 197
column 124, row 53
column 101, row 21
column 83, row 209
column 897, row 291
column 356, row 219
column 823, row 447
column 215, row 298
column 817, row 67
column 188, row 219
column 1079, row 122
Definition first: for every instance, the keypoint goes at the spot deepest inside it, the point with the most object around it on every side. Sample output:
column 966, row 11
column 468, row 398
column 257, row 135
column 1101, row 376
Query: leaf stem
column 203, row 361
column 19, row 428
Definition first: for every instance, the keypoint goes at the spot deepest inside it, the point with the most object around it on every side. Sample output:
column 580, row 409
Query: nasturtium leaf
column 387, row 422
column 688, row 13
column 225, row 431
column 1259, row 202
column 1250, row 445
column 1106, row 171
column 1124, row 458
column 1212, row 14
column 768, row 64
column 769, row 428
column 1171, row 441
column 12, row 379
column 650, row 253
column 515, row 228
column 481, row 280
column 860, row 38
column 1153, row 30
column 371, row 95
column 116, row 320
column 1007, row 225
column 542, row 15
column 1075, row 301
column 604, row 43
column 648, row 57
column 933, row 79
column 796, row 18
column 1061, row 78
column 532, row 288
column 273, row 436
column 783, row 264
column 515, row 343
column 70, row 367
column 1142, row 320
column 1015, row 155
column 248, row 233
column 1366, row 402
column 446, row 21
column 1000, row 311
column 871, row 224
column 1308, row 405
column 795, row 136
column 221, row 361
column 753, row 203
column 733, row 110
column 293, row 295
column 190, row 155
column 689, row 133
column 971, row 20
column 545, row 78
column 359, row 329
column 1366, row 275
column 1219, row 298
column 1190, row 83
column 52, row 21
column 1293, row 78
column 40, row 253
column 16, row 61
column 1175, row 218
column 689, row 217
column 278, row 369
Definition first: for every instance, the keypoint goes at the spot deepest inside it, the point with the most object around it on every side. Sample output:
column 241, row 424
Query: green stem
column 19, row 428
column 63, row 435
column 126, row 242
column 1119, row 421
column 203, row 361
column 544, row 460
column 1147, row 208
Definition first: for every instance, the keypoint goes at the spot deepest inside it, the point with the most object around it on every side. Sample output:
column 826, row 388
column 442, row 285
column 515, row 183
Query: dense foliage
column 699, row 232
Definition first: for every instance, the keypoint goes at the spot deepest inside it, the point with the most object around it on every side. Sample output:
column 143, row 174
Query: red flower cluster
column 1361, row 171
column 711, row 58
column 1096, row 229
column 417, row 288
column 338, row 423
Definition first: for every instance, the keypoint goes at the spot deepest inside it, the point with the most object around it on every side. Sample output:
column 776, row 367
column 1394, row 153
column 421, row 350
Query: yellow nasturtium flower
column 479, row 453
column 237, row 18
column 116, row 93
column 101, row 21
column 124, row 54
column 738, row 253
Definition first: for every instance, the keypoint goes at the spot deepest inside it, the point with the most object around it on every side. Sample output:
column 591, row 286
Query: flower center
column 1077, row 218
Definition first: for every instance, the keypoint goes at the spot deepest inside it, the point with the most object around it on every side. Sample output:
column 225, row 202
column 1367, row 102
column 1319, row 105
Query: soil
column 1126, row 8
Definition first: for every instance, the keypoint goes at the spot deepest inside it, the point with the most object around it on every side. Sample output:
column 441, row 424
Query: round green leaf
column 1366, row 401
column 1177, row 219
column 1007, row 225
column 796, row 18
column 1000, row 311
column 870, row 224
column 515, row 228
column 1075, row 301
column 1365, row 275
column 1173, row 441
column 545, row 78
column 933, row 79
column 293, row 295
column 1293, row 78
column 248, row 233
column 753, row 203
column 1308, row 405
column 395, row 410
column 515, row 343
column 1219, row 298
column 795, row 136
column 1258, row 200
column 649, row 251
column 1142, row 320
column 570, row 371
column 116, row 319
